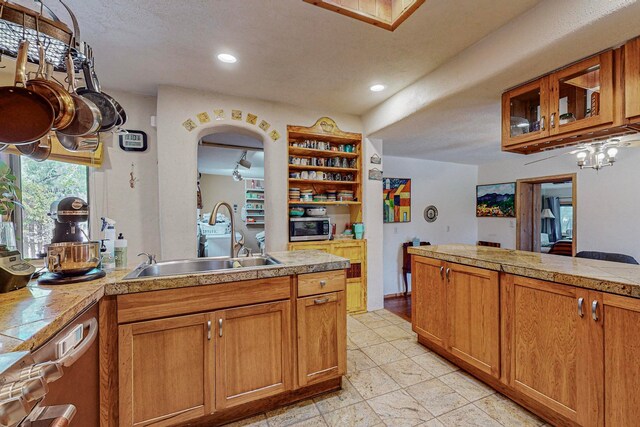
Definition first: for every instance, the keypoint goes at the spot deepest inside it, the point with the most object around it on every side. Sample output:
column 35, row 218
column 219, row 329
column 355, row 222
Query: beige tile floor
column 394, row 381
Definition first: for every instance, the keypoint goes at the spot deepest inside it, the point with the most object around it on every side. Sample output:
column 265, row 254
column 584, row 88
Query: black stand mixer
column 71, row 257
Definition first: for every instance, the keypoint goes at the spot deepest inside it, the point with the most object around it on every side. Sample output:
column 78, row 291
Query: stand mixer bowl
column 72, row 258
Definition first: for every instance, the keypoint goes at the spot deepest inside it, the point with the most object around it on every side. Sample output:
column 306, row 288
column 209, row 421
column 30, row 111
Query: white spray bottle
column 109, row 230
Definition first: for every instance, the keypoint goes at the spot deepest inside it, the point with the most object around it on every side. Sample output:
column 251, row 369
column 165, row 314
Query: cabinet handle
column 580, row 305
column 448, row 274
column 321, row 301
column 542, row 122
column 553, row 120
column 594, row 310
column 209, row 330
column 442, row 273
column 219, row 327
column 323, row 283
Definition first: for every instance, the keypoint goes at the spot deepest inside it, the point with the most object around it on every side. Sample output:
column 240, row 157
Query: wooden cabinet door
column 253, row 353
column 428, row 300
column 585, row 90
column 322, row 337
column 632, row 79
column 548, row 346
column 355, row 251
column 525, row 113
column 473, row 311
column 621, row 366
column 166, row 370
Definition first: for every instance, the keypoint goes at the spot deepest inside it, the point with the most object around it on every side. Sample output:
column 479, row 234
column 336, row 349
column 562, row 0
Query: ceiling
column 222, row 161
column 454, row 114
column 288, row 50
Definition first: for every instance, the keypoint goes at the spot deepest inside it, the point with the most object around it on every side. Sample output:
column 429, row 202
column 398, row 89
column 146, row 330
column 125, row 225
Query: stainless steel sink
column 199, row 265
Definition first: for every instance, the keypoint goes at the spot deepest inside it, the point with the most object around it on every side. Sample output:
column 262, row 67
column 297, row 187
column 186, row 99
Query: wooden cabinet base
column 267, row 404
column 528, row 403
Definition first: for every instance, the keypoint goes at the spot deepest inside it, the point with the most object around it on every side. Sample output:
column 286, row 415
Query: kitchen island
column 200, row 348
column 548, row 331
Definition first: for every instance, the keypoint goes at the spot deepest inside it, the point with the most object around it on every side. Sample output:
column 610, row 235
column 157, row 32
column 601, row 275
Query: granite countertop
column 612, row 277
column 293, row 262
column 31, row 315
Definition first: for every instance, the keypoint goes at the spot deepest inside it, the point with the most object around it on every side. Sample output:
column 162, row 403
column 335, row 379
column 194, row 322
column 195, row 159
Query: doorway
column 231, row 169
column 546, row 214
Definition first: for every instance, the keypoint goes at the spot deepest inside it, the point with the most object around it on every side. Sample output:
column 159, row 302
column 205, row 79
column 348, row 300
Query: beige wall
column 135, row 210
column 221, row 188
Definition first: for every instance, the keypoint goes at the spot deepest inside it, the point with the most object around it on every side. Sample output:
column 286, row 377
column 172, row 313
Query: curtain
column 552, row 226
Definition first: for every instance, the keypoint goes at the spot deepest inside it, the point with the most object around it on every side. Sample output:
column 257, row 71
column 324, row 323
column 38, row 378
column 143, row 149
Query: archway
column 231, row 169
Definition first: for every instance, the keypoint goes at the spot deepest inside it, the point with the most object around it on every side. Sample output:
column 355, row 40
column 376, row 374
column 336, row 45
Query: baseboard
column 401, row 294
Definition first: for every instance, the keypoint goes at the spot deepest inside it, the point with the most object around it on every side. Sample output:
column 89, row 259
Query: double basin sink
column 199, row 265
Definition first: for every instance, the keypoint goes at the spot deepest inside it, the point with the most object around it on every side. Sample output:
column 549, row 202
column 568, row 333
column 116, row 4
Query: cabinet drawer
column 320, row 283
column 175, row 302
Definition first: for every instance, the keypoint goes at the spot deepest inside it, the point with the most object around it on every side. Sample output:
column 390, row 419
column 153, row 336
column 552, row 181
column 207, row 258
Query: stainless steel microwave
column 309, row 228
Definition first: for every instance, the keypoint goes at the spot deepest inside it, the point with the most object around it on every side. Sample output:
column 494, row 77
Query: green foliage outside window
column 42, row 184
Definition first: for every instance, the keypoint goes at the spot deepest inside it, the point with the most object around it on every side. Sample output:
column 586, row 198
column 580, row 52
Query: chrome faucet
column 235, row 245
column 151, row 259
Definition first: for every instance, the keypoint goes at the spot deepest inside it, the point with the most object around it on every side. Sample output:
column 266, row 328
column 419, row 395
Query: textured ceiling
column 453, row 113
column 222, row 161
column 288, row 50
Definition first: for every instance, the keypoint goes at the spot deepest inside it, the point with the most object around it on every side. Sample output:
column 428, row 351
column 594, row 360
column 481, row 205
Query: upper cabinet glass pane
column 525, row 113
column 579, row 95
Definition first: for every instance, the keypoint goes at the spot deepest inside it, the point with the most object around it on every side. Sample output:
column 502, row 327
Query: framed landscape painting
column 397, row 199
column 496, row 200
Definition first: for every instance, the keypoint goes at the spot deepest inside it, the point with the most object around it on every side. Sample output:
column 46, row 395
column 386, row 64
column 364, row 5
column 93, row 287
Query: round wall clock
column 430, row 213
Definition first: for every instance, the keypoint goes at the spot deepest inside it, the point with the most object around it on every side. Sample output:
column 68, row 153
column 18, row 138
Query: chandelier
column 598, row 155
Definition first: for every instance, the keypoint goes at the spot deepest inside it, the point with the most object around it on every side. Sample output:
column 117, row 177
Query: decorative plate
column 430, row 213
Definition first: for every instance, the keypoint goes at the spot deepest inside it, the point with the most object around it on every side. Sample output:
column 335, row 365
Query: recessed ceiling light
column 227, row 57
column 377, row 88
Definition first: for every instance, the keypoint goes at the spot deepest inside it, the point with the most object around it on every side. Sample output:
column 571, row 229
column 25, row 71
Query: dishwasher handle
column 78, row 351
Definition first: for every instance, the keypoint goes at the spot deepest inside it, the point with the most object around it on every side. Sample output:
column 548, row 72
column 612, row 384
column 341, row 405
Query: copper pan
column 87, row 119
column 25, row 116
column 59, row 98
column 39, row 150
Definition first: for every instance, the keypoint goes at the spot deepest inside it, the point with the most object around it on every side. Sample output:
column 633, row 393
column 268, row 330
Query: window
column 43, row 183
column 566, row 221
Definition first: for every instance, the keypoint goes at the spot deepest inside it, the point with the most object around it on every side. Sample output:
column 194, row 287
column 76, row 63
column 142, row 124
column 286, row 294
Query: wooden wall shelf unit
column 326, row 131
column 593, row 99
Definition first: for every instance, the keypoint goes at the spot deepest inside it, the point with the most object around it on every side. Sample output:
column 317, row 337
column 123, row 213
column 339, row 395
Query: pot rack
column 18, row 22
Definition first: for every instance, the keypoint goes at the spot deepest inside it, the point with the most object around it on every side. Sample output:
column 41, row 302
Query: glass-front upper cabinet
column 525, row 112
column 632, row 79
column 582, row 95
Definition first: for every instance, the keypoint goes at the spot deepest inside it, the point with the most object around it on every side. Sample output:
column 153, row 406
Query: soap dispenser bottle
column 121, row 252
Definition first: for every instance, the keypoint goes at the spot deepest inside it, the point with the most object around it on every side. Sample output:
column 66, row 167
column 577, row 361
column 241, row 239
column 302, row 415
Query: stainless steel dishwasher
column 57, row 385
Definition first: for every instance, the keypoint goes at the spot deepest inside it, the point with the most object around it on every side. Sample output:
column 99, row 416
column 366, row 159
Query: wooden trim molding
column 522, row 216
column 398, row 295
column 108, row 346
column 386, row 14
